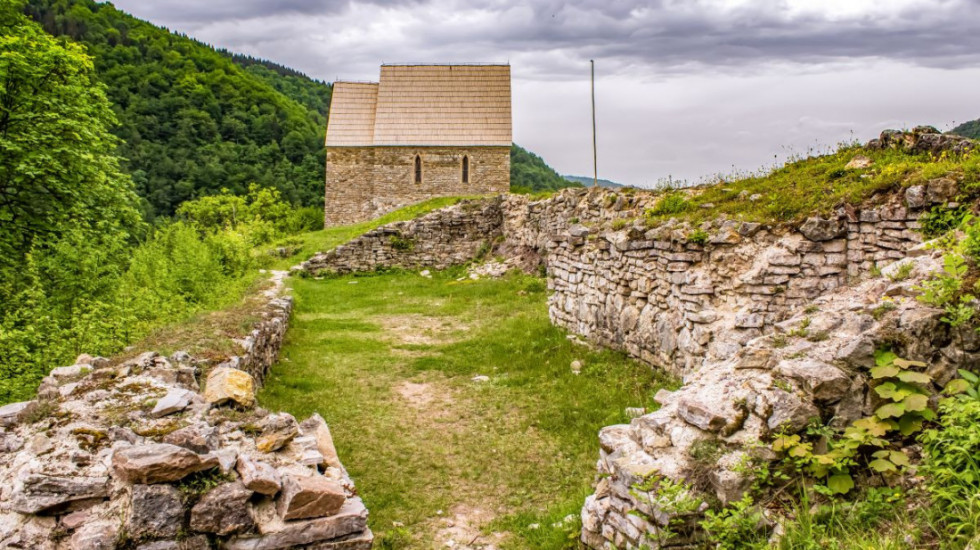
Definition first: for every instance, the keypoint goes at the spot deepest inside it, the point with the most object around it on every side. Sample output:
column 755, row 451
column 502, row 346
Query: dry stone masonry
column 437, row 240
column 136, row 455
column 769, row 327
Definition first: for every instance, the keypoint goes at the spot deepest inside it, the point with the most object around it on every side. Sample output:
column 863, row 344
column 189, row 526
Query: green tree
column 58, row 169
column 68, row 215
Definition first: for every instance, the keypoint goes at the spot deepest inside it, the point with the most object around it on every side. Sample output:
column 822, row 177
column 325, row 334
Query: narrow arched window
column 466, row 169
column 418, row 169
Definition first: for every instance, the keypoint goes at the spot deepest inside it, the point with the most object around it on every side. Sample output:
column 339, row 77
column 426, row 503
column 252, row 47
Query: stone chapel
column 421, row 131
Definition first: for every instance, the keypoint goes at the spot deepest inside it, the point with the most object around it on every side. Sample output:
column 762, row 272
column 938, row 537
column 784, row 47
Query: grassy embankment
column 389, row 359
column 814, row 185
column 213, row 332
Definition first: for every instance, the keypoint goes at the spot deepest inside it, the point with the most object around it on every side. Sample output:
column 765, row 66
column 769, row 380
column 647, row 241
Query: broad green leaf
column 956, row 386
column 872, row 425
column 905, row 363
column 784, row 442
column 928, row 414
column 898, row 458
column 884, row 371
column 890, row 410
column 881, row 465
column 840, row 483
column 884, row 358
column 914, row 377
column 916, row 402
column 972, row 378
column 908, row 425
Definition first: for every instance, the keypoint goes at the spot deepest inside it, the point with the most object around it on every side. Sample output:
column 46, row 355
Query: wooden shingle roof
column 351, row 117
column 425, row 105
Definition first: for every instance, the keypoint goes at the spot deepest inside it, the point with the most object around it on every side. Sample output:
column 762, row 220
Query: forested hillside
column 968, row 129
column 530, row 174
column 192, row 121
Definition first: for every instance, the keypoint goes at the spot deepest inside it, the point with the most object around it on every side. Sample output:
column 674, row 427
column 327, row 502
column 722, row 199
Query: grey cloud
column 672, row 35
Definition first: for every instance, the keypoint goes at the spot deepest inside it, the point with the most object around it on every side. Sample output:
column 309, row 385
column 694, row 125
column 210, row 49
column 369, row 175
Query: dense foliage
column 968, row 129
column 530, row 174
column 192, row 120
column 79, row 269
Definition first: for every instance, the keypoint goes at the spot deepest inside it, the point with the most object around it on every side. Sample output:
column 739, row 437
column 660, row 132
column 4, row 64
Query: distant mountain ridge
column 967, row 129
column 588, row 181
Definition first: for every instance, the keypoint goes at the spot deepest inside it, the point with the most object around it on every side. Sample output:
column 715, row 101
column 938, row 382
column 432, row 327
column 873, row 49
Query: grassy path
column 389, row 361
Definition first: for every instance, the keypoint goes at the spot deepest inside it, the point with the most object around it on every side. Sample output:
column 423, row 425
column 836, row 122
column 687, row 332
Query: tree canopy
column 193, row 121
column 529, row 173
column 968, row 129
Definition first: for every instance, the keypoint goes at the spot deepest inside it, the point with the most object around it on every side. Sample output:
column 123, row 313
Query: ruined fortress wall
column 653, row 292
column 672, row 302
column 103, row 456
column 366, row 182
column 450, row 236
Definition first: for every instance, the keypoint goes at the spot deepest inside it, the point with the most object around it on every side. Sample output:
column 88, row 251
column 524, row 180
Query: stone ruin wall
column 674, row 303
column 446, row 237
column 364, row 183
column 770, row 327
column 103, row 457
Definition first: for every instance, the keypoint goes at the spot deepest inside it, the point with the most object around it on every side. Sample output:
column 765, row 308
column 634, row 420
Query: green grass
column 304, row 245
column 388, row 359
column 815, row 185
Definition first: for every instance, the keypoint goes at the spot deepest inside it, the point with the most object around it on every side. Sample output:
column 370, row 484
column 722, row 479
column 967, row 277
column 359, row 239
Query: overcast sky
column 685, row 88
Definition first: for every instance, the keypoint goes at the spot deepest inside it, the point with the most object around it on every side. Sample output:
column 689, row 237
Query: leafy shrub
column 951, row 470
column 674, row 202
column 941, row 220
column 906, row 406
column 736, row 525
column 698, row 237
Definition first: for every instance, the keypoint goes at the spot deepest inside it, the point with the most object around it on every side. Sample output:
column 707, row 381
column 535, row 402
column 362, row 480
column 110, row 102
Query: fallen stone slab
column 277, row 534
column 14, row 413
column 360, row 541
column 259, row 476
column 159, row 463
column 317, row 427
column 175, row 401
column 223, row 510
column 310, row 497
column 38, row 493
column 277, row 430
column 230, row 384
column 156, row 511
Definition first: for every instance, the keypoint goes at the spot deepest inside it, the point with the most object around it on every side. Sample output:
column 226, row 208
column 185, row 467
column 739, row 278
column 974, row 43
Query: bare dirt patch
column 463, row 529
column 432, row 401
column 421, row 329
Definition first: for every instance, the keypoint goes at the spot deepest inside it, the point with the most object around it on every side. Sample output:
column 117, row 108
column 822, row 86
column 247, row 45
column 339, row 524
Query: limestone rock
column 230, row 384
column 98, row 535
column 259, row 476
column 915, row 197
column 825, row 382
column 940, row 190
column 858, row 352
column 175, row 401
column 819, row 229
column 14, row 413
column 276, row 534
column 200, row 438
column 156, row 512
column 37, row 493
column 790, row 413
column 277, row 430
column 224, row 510
column 700, row 414
column 859, row 162
column 158, row 463
column 309, row 497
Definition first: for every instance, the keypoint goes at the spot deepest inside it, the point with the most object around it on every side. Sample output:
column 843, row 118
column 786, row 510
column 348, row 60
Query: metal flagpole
column 595, row 152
